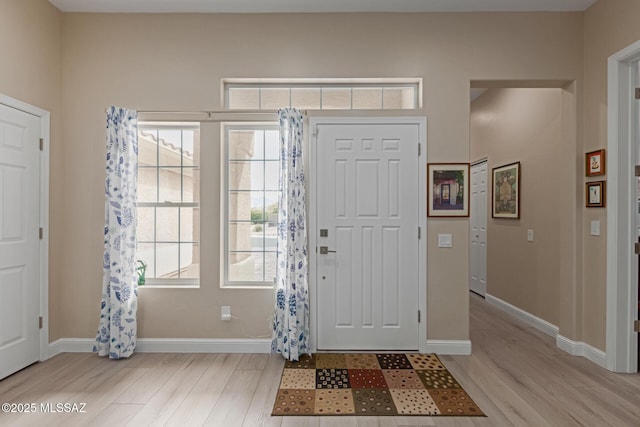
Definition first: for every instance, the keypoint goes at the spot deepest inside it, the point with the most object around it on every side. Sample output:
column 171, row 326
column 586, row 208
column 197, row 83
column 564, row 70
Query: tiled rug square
column 295, row 402
column 454, row 402
column 334, row 402
column 374, row 402
column 332, row 378
column 367, row 378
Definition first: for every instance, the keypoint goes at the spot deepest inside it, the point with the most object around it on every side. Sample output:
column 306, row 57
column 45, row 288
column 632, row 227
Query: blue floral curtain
column 117, row 330
column 291, row 318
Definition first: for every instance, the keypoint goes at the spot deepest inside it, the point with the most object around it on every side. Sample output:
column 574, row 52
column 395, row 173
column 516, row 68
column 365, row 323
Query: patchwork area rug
column 371, row 384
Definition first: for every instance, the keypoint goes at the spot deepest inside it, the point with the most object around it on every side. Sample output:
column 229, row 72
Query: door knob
column 324, row 250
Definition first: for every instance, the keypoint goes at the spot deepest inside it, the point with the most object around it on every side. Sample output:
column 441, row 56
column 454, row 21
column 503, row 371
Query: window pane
column 271, row 175
column 147, row 148
column 272, row 145
column 401, row 98
column 189, row 224
column 367, row 98
column 244, row 98
column 189, row 260
column 167, row 260
column 305, row 98
column 145, row 252
column 146, row 222
column 147, row 185
column 271, row 203
column 336, row 98
column 274, row 98
column 170, row 147
column 245, row 145
column 167, row 224
column 190, row 147
column 240, row 207
column 246, row 267
column 239, row 236
column 270, row 265
column 170, row 185
column 257, row 237
column 191, row 185
column 246, row 175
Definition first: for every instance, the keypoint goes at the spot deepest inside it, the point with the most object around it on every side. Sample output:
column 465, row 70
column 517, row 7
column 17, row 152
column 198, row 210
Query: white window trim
column 224, row 232
column 174, row 283
column 226, row 83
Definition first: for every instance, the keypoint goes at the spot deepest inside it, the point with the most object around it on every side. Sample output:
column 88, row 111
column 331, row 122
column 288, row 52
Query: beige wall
column 31, row 71
column 610, row 25
column 175, row 62
column 525, row 125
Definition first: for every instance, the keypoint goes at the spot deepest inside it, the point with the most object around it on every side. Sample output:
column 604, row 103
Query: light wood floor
column 516, row 375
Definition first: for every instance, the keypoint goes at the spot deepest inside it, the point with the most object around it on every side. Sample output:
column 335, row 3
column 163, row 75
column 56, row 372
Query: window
column 168, row 230
column 250, row 205
column 323, row 94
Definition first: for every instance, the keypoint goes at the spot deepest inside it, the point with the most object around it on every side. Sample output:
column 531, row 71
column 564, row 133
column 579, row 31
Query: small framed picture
column 595, row 163
column 448, row 186
column 596, row 194
column 506, row 191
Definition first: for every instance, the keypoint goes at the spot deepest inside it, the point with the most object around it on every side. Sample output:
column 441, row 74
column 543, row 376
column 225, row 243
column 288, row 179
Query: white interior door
column 367, row 218
column 478, row 221
column 19, row 240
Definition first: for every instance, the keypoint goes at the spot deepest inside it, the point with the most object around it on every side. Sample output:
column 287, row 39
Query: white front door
column 368, row 204
column 478, row 220
column 19, row 240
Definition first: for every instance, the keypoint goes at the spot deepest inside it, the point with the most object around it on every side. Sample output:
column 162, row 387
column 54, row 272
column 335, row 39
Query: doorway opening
column 531, row 262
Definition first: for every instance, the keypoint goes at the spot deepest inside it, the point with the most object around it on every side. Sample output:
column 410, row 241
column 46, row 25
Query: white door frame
column 622, row 264
column 45, row 119
column 313, row 225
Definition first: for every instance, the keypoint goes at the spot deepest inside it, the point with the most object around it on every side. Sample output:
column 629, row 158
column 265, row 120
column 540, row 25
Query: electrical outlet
column 225, row 312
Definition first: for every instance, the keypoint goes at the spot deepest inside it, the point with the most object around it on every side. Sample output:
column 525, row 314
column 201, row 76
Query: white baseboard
column 575, row 348
column 454, row 347
column 170, row 345
column 528, row 318
column 579, row 348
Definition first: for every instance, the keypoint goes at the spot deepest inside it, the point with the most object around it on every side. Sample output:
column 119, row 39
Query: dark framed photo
column 448, row 187
column 506, row 191
column 595, row 163
column 596, row 194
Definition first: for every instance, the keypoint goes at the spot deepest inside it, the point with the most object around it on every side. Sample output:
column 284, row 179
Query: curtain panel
column 291, row 318
column 117, row 330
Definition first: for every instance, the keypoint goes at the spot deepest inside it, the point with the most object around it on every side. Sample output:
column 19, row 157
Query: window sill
column 169, row 287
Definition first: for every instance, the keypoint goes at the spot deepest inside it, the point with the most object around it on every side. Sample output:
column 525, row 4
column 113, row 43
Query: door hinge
column 636, row 248
column 419, row 317
column 40, row 322
column 638, row 93
column 41, row 144
column 419, row 233
column 636, row 326
column 41, row 233
column 419, row 149
column 637, row 170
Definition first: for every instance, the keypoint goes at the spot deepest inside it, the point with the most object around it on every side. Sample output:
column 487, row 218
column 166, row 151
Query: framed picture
column 506, row 191
column 595, row 162
column 448, row 187
column 596, row 195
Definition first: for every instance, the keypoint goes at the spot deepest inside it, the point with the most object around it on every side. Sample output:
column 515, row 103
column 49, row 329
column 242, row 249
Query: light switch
column 530, row 235
column 595, row 228
column 445, row 240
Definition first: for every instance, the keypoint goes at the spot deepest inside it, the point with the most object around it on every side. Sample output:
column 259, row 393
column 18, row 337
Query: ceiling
column 283, row 6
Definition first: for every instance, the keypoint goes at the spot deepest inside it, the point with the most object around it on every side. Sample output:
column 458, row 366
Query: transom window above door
column 323, row 94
